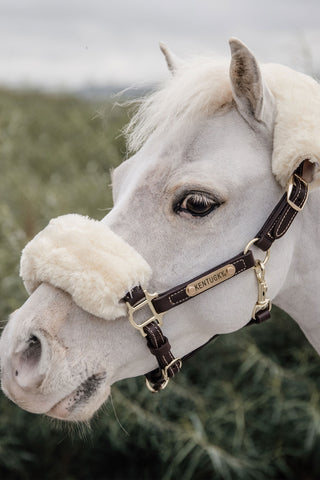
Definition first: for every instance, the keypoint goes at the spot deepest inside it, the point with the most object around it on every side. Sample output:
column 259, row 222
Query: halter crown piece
column 104, row 275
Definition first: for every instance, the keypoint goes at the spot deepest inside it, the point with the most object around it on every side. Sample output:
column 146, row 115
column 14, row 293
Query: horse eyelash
column 199, row 197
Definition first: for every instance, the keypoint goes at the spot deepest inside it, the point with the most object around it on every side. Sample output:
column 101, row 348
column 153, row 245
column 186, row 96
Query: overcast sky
column 72, row 43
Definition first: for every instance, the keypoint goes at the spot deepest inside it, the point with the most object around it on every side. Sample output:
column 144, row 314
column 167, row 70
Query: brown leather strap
column 178, row 295
column 260, row 317
column 134, row 296
column 283, row 214
column 160, row 347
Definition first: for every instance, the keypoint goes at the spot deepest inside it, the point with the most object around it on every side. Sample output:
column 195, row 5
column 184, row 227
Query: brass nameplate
column 210, row 280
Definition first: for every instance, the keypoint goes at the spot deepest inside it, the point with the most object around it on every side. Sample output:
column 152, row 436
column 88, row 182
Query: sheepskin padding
column 297, row 127
column 201, row 86
column 85, row 258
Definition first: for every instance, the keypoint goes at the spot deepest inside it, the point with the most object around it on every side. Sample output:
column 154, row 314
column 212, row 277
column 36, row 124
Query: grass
column 246, row 407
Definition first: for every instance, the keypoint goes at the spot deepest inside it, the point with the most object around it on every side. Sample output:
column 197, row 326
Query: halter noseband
column 275, row 227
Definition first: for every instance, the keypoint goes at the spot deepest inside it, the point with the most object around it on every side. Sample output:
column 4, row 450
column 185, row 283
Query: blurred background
column 253, row 411
column 74, row 44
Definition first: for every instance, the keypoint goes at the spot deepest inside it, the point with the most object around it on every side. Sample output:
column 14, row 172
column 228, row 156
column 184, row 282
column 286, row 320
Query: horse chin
column 83, row 402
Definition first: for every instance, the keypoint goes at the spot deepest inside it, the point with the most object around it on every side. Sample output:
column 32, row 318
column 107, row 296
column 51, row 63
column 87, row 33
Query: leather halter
column 275, row 227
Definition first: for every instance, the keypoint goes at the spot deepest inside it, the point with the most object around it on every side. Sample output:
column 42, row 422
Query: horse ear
column 253, row 98
column 172, row 60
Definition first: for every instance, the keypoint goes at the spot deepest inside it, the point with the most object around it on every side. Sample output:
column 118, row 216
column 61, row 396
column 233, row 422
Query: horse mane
column 201, row 87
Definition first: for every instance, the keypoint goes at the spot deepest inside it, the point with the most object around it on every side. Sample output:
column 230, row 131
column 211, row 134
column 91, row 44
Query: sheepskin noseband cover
column 85, row 258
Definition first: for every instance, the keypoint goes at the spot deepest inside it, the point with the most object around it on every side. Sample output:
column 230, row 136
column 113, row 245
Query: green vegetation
column 246, row 407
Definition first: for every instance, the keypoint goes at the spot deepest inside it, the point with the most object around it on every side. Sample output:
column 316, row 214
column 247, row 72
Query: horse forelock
column 201, row 87
column 198, row 89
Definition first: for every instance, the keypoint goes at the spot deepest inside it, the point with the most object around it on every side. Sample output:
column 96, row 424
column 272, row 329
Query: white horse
column 216, row 149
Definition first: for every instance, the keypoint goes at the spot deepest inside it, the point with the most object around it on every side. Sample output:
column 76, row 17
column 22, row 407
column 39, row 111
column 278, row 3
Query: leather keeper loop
column 134, row 296
column 262, row 316
column 160, row 351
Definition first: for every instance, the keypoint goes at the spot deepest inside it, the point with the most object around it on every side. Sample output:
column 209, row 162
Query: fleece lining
column 85, row 258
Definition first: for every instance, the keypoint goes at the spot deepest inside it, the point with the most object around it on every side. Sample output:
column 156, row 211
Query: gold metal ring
column 150, row 387
column 252, row 242
column 249, row 244
column 162, row 386
column 177, row 361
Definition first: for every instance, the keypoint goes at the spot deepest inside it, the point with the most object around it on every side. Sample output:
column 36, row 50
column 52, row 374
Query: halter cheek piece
column 275, row 227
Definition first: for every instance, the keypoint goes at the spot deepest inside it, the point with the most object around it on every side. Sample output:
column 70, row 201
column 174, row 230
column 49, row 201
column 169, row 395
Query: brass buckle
column 165, row 376
column 290, row 186
column 165, row 370
column 154, row 317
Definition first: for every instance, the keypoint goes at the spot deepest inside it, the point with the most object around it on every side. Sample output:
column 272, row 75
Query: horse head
column 215, row 149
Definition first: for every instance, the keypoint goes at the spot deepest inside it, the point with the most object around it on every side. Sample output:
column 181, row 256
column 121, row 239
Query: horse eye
column 197, row 204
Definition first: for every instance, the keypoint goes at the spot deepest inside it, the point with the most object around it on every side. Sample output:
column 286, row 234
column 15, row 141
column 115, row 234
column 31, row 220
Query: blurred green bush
column 246, row 407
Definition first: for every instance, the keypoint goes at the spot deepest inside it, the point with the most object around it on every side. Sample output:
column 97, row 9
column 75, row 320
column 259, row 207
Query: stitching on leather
column 244, row 265
column 269, row 234
column 164, row 360
column 159, row 331
column 154, row 338
column 171, row 369
column 178, row 301
column 279, row 234
column 304, row 198
column 272, row 227
column 171, row 300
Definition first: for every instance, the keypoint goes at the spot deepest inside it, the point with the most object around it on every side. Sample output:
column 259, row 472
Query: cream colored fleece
column 86, row 259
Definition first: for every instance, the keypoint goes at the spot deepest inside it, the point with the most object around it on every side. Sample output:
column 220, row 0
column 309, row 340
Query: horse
column 214, row 150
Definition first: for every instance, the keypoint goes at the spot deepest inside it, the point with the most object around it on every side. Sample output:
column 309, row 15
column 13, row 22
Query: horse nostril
column 27, row 364
column 32, row 353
